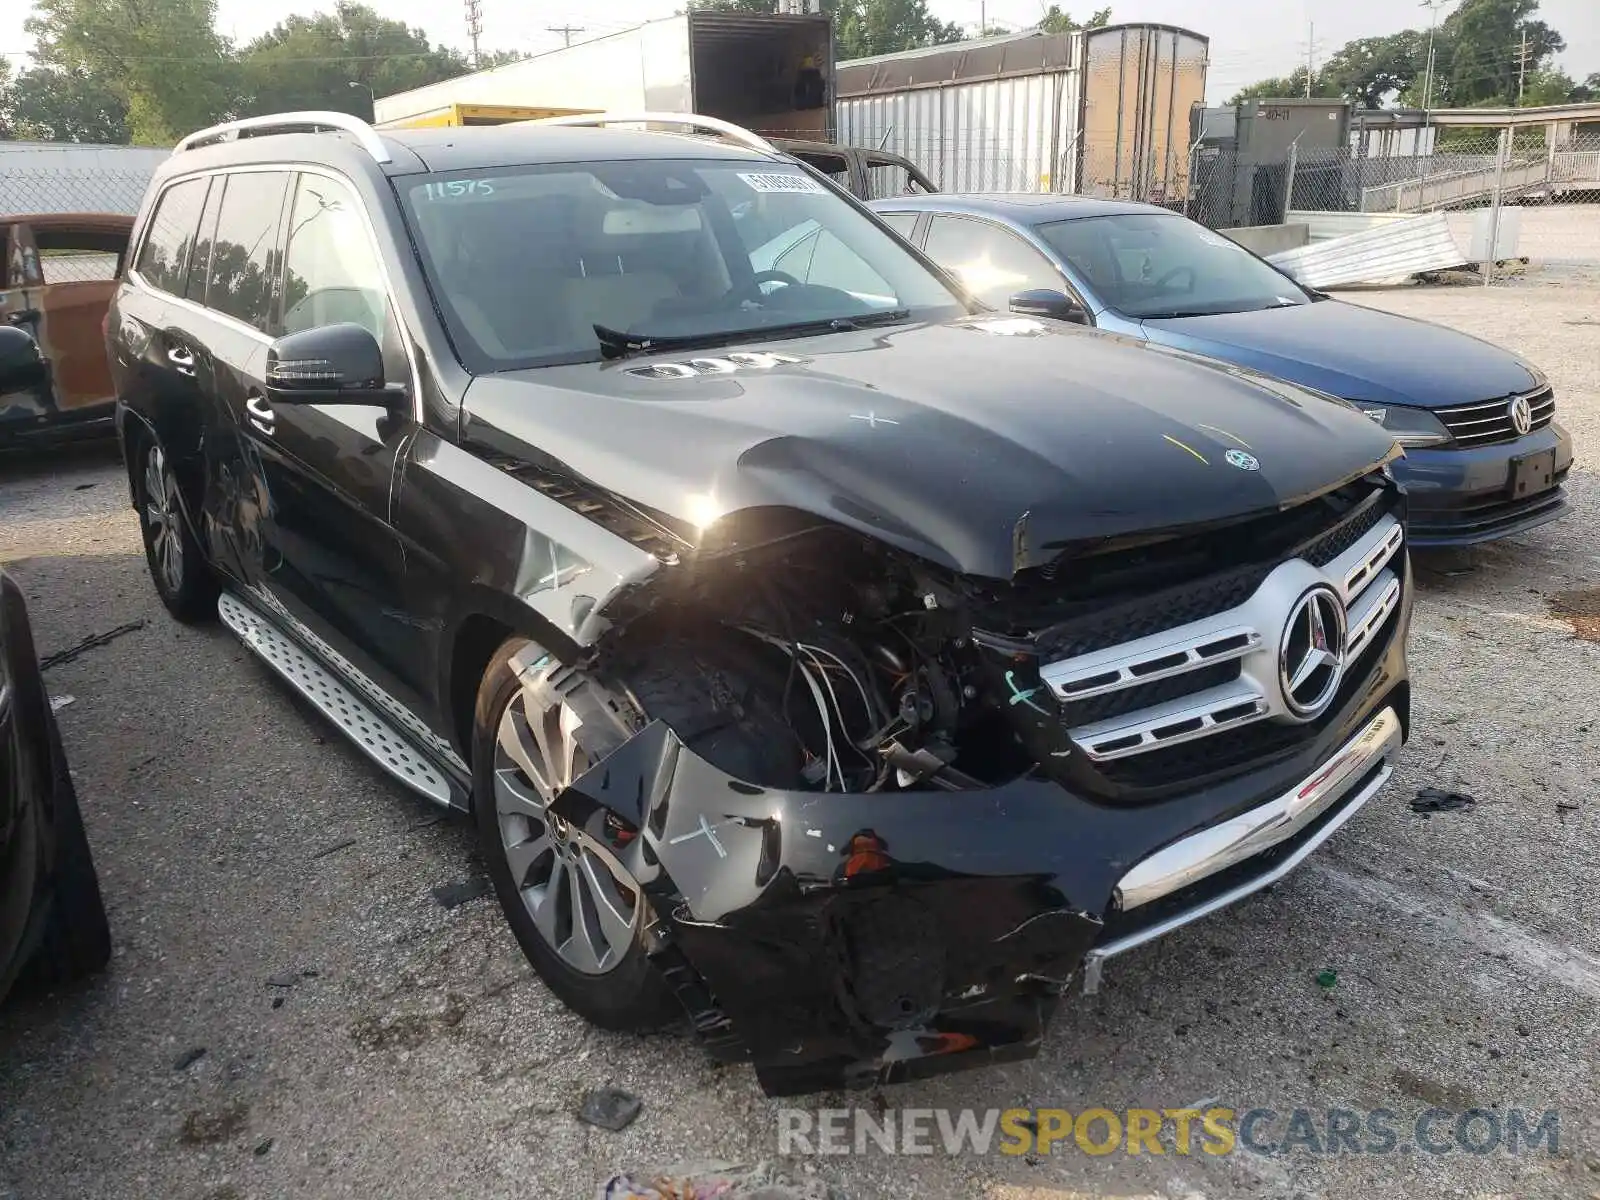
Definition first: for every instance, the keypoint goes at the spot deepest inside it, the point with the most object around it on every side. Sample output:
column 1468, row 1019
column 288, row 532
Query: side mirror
column 331, row 364
column 22, row 367
column 1045, row 302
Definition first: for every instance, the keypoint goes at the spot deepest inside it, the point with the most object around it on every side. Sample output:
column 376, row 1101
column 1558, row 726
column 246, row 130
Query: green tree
column 50, row 104
column 1368, row 71
column 866, row 27
column 1484, row 40
column 1056, row 21
column 332, row 60
column 1285, row 87
column 1550, row 86
column 163, row 59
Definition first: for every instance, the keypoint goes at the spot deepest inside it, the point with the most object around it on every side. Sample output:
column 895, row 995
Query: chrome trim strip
column 1316, row 795
column 1143, row 730
column 1221, row 846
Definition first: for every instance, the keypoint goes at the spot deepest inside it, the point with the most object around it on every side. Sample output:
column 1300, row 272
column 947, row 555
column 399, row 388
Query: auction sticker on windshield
column 773, row 182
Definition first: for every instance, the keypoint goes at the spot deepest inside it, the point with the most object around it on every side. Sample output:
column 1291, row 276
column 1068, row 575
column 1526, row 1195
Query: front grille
column 1170, row 699
column 1489, row 421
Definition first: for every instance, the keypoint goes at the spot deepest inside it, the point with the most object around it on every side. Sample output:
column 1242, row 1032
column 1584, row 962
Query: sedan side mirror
column 1046, row 302
column 331, row 364
column 22, row 367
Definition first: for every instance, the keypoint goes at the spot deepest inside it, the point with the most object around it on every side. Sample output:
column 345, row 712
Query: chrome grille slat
column 1485, row 421
column 1252, row 634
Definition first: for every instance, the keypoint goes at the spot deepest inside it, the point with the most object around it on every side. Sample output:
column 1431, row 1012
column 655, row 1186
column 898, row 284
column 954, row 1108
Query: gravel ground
column 414, row 1054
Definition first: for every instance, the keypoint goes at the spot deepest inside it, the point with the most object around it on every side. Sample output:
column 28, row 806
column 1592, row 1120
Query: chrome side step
column 372, row 733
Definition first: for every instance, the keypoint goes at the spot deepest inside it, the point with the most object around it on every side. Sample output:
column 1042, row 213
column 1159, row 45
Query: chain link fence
column 74, row 179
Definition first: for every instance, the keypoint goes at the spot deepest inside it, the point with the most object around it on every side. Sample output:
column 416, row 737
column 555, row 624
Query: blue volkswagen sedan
column 1484, row 456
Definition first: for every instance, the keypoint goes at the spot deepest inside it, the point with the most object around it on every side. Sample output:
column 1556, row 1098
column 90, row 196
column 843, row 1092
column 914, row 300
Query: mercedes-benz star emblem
column 1521, row 415
column 1311, row 662
column 1245, row 462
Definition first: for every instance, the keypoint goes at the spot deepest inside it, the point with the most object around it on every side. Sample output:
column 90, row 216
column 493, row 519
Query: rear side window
column 245, row 257
column 164, row 259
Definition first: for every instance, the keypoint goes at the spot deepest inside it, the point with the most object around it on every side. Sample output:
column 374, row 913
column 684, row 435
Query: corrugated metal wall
column 1012, row 135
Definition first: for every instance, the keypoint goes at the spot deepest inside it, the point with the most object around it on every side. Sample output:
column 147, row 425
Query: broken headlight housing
column 1411, row 427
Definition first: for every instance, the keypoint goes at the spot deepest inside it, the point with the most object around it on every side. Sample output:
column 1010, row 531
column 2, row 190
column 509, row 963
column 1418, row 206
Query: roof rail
column 734, row 133
column 290, row 123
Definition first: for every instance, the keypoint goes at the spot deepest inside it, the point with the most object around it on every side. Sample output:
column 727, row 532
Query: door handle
column 261, row 414
column 182, row 359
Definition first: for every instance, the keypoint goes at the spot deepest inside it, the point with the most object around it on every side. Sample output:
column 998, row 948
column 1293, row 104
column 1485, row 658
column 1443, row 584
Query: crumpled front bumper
column 849, row 939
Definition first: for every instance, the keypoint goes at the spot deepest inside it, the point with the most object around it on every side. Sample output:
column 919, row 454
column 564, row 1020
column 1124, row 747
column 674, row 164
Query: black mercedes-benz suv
column 820, row 654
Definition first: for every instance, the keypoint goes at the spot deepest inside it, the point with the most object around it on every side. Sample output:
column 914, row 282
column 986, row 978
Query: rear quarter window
column 164, row 257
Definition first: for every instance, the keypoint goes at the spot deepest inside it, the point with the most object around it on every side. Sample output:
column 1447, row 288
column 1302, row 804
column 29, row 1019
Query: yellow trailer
column 450, row 115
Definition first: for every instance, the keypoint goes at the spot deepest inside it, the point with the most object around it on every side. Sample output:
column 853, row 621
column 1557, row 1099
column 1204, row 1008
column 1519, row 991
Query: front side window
column 540, row 265
column 331, row 270
column 994, row 263
column 245, row 255
column 164, row 257
column 1155, row 265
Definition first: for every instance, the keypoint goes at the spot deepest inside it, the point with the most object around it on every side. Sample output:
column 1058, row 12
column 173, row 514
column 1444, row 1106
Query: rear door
column 332, row 562
column 79, row 262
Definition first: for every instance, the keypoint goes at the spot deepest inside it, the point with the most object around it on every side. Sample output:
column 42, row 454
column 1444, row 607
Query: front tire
column 179, row 570
column 575, row 910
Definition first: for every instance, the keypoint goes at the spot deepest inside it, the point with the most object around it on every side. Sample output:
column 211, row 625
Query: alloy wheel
column 584, row 903
column 162, row 515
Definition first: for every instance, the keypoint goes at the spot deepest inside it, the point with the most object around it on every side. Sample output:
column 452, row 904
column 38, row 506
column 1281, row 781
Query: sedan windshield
column 558, row 264
column 1150, row 265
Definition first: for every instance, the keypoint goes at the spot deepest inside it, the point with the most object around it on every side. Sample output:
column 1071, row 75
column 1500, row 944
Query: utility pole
column 1311, row 50
column 474, row 27
column 1522, row 67
column 1433, row 23
column 566, row 31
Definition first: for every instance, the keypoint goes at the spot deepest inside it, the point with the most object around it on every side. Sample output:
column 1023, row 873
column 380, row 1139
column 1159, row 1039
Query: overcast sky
column 1250, row 39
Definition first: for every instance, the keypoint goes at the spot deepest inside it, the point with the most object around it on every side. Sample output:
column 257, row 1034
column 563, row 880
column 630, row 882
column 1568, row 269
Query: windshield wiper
column 614, row 343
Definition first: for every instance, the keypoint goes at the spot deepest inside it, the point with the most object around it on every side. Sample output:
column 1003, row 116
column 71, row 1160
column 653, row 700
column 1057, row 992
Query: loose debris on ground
column 610, row 1108
column 454, row 895
column 1434, row 800
column 713, row 1182
column 89, row 643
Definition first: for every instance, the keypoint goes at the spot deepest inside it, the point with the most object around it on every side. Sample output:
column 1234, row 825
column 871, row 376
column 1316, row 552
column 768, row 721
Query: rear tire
column 179, row 570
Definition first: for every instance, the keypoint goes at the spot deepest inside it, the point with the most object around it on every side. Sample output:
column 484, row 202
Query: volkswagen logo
column 1245, row 462
column 1311, row 661
column 1521, row 415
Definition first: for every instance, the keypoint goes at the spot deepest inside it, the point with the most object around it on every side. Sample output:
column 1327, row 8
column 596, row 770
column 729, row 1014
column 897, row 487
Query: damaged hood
column 986, row 443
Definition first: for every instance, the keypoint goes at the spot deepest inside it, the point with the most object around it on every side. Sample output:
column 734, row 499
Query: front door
column 332, row 561
column 78, row 262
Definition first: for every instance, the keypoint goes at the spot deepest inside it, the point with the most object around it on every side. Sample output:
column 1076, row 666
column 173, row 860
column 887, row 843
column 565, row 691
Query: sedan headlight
column 1410, row 426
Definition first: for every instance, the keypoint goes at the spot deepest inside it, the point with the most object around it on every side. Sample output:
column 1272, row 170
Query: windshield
column 1160, row 265
column 526, row 262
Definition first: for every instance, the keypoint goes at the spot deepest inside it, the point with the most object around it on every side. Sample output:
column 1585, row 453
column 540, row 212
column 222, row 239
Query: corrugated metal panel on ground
column 1394, row 250
column 979, row 136
column 1325, row 225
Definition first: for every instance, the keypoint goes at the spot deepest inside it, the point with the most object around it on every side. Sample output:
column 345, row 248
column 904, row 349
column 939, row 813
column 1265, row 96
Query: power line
column 566, row 31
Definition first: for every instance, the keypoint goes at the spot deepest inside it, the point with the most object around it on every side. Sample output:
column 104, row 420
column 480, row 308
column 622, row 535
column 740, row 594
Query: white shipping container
column 1011, row 128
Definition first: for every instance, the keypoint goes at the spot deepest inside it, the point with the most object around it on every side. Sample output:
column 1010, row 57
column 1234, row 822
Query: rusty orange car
column 57, row 275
